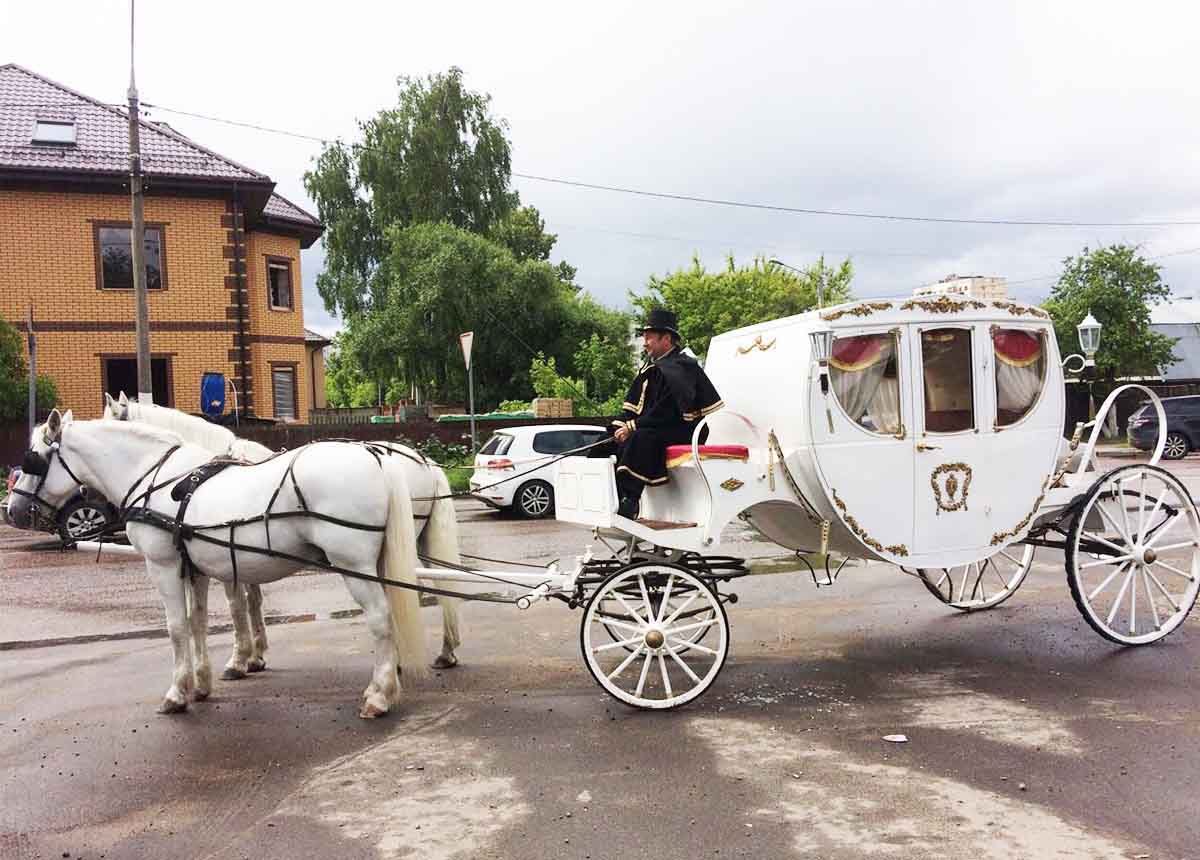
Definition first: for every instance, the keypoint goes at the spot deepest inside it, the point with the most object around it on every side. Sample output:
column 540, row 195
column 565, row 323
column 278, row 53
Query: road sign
column 464, row 340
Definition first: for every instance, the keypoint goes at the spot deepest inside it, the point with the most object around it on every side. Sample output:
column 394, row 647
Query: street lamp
column 820, row 280
column 1089, row 338
column 822, row 348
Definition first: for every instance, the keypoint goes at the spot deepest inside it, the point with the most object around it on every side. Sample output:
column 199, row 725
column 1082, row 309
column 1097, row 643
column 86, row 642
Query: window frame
column 293, row 368
column 167, row 357
column 161, row 227
column 897, row 345
column 923, row 405
column 72, row 124
column 1042, row 333
column 280, row 263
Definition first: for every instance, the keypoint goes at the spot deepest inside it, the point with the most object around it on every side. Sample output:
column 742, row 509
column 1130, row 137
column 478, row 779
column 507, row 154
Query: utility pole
column 137, row 237
column 32, row 340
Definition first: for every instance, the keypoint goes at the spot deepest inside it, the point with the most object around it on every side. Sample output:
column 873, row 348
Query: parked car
column 532, row 494
column 85, row 515
column 1183, row 427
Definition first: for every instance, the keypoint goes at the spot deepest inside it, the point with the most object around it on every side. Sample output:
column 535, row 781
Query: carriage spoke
column 622, row 644
column 1103, row 585
column 1104, row 514
column 1176, row 570
column 624, row 663
column 1015, row 561
column 1154, row 512
column 1098, row 539
column 694, row 646
column 677, row 612
column 662, row 666
column 675, row 631
column 642, row 679
column 1133, row 603
column 1165, row 593
column 1142, row 506
column 1172, row 546
column 1150, row 600
column 649, row 607
column 1113, row 560
column 666, row 601
column 1129, row 534
column 684, row 666
column 1120, row 596
column 613, row 621
column 630, row 609
column 1170, row 524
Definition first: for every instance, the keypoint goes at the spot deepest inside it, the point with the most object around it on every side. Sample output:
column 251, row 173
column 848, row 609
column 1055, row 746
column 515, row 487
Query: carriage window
column 1020, row 372
column 862, row 371
column 949, row 395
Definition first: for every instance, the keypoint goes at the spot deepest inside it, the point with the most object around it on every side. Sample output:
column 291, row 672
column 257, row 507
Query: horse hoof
column 256, row 666
column 172, row 707
column 231, row 674
column 444, row 662
column 371, row 711
column 201, row 695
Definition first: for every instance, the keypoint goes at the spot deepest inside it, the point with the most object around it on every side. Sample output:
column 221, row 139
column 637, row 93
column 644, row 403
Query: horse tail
column 398, row 561
column 439, row 540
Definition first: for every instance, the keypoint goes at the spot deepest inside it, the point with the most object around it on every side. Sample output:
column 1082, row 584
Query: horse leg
column 236, row 668
column 450, row 637
column 258, row 653
column 384, row 690
column 198, row 622
column 172, row 588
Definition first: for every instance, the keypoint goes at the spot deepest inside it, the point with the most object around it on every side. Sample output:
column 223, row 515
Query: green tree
column 14, row 379
column 438, row 155
column 709, row 303
column 523, row 232
column 1118, row 286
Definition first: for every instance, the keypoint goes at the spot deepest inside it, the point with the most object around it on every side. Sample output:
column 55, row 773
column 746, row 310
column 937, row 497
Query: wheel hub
column 1149, row 556
column 655, row 639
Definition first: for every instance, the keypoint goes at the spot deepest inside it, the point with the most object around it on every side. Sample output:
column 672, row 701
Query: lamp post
column 820, row 280
column 1089, row 341
column 822, row 349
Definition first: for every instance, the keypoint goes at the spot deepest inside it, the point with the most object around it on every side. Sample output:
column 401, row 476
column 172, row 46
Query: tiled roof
column 280, row 207
column 101, row 136
column 311, row 336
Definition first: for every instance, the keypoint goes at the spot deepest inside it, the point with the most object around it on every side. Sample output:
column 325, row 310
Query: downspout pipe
column 240, row 280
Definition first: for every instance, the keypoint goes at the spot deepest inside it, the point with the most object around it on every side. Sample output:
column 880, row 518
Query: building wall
column 277, row 336
column 316, row 371
column 48, row 257
column 974, row 287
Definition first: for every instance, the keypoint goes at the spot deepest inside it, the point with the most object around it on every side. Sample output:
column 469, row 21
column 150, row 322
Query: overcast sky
column 995, row 110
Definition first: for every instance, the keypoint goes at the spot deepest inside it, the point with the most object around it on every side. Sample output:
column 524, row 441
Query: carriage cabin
column 917, row 431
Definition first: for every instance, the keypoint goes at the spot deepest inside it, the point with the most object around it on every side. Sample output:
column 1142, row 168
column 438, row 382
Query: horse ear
column 109, row 403
column 54, row 424
column 123, row 400
column 68, row 417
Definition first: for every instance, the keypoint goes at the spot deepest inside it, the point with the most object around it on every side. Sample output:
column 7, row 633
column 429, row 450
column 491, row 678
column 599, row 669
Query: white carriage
column 923, row 432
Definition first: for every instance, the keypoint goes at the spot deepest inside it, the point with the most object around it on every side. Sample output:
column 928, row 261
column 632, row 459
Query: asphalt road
column 1028, row 735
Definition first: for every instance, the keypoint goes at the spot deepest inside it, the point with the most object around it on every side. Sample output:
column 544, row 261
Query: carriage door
column 951, row 482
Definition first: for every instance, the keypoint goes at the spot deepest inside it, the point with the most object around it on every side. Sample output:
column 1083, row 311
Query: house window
column 114, row 257
column 279, row 283
column 283, row 384
column 51, row 133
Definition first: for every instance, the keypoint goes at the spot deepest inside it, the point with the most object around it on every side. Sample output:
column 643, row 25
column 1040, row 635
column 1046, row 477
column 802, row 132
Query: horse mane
column 210, row 437
column 147, row 432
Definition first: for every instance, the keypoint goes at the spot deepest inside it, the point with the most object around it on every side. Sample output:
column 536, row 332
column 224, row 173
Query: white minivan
column 523, row 459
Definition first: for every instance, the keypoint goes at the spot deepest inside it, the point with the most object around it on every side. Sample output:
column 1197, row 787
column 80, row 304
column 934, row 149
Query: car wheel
column 1176, row 447
column 84, row 519
column 534, row 500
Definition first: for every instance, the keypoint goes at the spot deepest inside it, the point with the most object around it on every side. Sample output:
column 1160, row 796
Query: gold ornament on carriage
column 951, row 483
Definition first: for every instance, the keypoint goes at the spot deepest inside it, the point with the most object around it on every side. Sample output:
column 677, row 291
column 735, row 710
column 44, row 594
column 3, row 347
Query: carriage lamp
column 1089, row 338
column 822, row 348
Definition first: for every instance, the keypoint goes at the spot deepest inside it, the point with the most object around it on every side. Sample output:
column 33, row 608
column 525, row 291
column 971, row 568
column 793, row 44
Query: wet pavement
column 1028, row 735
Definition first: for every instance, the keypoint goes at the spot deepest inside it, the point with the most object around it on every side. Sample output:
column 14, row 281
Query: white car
column 524, row 460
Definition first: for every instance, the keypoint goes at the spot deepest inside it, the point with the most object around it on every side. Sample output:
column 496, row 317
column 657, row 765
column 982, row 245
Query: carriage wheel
column 655, row 609
column 1133, row 561
column 980, row 584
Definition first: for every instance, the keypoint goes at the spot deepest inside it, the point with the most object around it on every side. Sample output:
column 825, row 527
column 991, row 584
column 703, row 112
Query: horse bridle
column 34, row 463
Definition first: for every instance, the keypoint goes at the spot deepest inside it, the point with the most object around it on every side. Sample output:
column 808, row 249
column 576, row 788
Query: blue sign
column 212, row 394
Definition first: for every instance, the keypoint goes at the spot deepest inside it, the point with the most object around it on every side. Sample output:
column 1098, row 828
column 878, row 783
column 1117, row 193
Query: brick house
column 222, row 258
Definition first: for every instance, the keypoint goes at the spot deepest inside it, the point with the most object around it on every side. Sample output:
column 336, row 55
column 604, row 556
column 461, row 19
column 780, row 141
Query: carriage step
column 663, row 525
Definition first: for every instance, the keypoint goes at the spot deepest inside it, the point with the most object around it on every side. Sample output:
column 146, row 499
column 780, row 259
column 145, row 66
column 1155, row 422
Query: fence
column 14, row 438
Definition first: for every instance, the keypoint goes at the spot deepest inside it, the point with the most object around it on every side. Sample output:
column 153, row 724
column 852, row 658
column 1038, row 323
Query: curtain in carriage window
column 1020, row 372
column 862, row 373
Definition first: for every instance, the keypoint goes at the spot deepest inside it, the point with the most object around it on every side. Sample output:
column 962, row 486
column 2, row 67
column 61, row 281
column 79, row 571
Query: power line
column 713, row 201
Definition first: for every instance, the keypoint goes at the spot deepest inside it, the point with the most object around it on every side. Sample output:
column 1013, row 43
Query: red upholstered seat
column 679, row 454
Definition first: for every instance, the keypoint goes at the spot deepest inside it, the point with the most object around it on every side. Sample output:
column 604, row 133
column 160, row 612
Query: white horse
column 436, row 525
column 140, row 464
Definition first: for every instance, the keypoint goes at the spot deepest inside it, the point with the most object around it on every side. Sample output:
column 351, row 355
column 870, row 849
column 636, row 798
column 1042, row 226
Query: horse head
column 46, row 480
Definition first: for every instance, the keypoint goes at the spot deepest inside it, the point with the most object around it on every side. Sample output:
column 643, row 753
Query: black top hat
column 661, row 319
